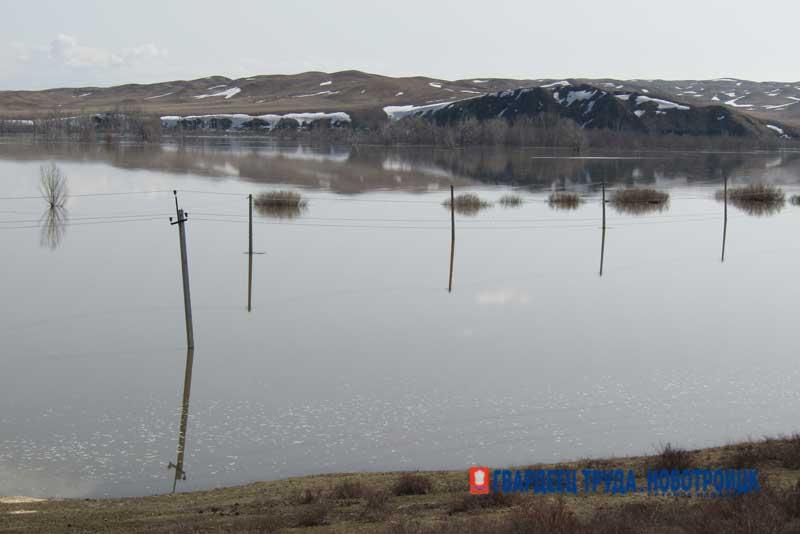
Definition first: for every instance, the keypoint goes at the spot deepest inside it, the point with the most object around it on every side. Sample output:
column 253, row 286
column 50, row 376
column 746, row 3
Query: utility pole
column 250, row 255
column 187, row 299
column 452, row 236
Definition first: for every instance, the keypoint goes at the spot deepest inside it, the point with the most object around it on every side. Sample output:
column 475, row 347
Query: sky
column 78, row 43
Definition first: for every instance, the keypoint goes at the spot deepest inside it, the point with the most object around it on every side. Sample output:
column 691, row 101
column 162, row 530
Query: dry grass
column 468, row 502
column 511, row 201
column 313, row 515
column 636, row 201
column 306, row 504
column 671, row 457
column 783, row 452
column 755, row 199
column 467, row 204
column 349, row 489
column 564, row 201
column 283, row 204
column 413, row 484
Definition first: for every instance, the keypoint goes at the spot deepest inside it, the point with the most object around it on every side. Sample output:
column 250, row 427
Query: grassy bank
column 439, row 502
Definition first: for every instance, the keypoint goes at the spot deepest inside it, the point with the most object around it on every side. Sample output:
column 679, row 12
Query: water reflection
column 603, row 236
column 725, row 217
column 53, row 225
column 180, row 473
column 602, row 248
column 452, row 238
column 420, row 169
column 758, row 208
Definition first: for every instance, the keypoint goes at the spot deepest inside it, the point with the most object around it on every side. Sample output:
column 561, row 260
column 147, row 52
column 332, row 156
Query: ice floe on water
column 227, row 93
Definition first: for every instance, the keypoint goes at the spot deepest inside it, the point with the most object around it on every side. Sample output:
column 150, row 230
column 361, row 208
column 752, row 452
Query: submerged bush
column 636, row 201
column 795, row 200
column 563, row 200
column 283, row 204
column 467, row 204
column 756, row 199
column 511, row 201
column 53, row 185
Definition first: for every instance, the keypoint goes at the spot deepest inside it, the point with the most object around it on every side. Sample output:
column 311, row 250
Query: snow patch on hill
column 227, row 93
column 241, row 120
column 398, row 112
column 662, row 104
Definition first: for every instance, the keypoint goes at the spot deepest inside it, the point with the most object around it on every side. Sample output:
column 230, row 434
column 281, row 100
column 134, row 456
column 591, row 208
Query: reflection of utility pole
column 603, row 238
column 725, row 217
column 602, row 249
column 604, row 204
column 250, row 254
column 452, row 236
column 180, row 474
column 187, row 300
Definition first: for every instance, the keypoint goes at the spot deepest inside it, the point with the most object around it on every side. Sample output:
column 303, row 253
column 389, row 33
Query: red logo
column 479, row 480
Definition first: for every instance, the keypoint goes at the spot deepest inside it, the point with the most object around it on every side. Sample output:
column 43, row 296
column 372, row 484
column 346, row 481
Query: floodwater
column 355, row 356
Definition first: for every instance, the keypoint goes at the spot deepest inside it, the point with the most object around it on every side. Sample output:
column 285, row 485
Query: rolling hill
column 371, row 97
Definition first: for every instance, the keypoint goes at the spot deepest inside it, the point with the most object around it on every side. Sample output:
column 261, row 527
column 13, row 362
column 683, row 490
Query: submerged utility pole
column 250, row 254
column 187, row 299
column 452, row 236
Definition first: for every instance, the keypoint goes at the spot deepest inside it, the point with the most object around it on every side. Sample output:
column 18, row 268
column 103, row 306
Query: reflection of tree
column 53, row 227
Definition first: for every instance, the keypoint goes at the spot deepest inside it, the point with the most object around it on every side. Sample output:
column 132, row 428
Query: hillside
column 591, row 107
column 370, row 97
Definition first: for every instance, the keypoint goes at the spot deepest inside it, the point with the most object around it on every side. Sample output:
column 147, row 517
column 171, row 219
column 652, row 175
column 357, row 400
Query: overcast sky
column 86, row 42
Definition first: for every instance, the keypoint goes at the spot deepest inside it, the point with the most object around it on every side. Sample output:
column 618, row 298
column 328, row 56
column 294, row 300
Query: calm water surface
column 355, row 354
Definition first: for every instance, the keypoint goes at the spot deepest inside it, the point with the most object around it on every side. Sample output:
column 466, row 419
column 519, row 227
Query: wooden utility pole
column 250, row 254
column 187, row 299
column 452, row 236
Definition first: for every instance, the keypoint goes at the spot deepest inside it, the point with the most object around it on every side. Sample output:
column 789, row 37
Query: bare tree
column 53, row 185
